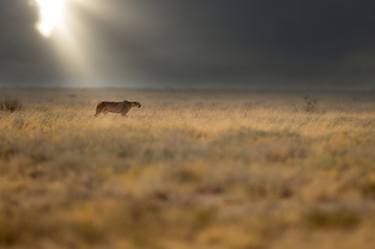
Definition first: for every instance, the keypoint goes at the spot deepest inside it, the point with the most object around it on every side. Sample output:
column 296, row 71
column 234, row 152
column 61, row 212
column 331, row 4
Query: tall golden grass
column 191, row 169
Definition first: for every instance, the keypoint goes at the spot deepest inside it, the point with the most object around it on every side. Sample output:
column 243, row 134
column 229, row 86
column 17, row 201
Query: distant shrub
column 336, row 218
column 10, row 104
column 368, row 190
column 310, row 103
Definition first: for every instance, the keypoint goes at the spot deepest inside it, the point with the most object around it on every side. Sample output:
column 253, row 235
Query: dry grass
column 195, row 169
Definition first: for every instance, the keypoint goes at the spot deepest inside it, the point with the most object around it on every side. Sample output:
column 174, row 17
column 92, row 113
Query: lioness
column 116, row 107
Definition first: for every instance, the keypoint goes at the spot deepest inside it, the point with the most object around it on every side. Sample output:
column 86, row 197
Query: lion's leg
column 98, row 111
column 105, row 110
column 124, row 112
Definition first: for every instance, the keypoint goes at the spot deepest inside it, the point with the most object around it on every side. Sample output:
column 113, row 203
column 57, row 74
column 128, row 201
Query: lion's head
column 136, row 104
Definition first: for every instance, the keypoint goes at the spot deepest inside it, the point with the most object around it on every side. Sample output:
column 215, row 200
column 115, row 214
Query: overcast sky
column 194, row 43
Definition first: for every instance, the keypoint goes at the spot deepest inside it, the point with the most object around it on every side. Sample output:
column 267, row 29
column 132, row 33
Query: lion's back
column 112, row 106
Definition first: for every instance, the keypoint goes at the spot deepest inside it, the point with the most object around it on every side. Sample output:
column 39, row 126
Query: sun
column 51, row 16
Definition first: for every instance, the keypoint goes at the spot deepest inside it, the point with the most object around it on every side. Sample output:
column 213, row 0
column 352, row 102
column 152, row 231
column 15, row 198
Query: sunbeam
column 51, row 16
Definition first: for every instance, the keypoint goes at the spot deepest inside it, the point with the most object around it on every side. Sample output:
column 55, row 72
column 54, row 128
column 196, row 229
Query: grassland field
column 190, row 169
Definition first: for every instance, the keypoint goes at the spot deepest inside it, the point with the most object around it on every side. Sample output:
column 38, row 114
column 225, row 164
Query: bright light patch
column 51, row 16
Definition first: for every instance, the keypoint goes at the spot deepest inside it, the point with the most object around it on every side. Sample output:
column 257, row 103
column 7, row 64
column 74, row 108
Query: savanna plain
column 190, row 169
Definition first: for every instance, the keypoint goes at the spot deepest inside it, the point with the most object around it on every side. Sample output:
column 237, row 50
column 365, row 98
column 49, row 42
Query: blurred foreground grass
column 194, row 169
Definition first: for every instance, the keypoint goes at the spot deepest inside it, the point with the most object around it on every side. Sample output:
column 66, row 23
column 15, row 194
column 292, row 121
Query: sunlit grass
column 188, row 170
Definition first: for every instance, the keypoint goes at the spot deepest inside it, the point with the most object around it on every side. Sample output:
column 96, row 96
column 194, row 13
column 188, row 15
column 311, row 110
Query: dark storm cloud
column 193, row 43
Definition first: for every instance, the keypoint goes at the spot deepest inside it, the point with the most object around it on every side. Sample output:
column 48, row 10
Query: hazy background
column 209, row 43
